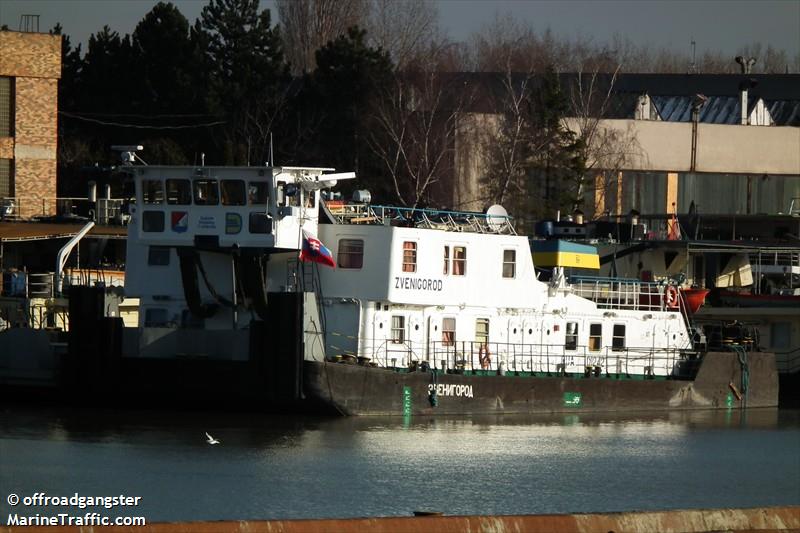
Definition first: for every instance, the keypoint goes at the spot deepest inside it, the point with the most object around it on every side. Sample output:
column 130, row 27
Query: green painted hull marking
column 572, row 399
column 406, row 401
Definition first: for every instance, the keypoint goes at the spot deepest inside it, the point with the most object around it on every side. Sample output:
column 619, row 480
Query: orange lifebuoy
column 484, row 356
column 671, row 297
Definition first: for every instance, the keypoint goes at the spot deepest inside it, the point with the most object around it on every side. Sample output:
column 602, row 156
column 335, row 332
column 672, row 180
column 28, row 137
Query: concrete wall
column 721, row 148
column 33, row 60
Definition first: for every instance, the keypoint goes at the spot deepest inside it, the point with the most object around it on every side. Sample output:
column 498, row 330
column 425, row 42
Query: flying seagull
column 211, row 440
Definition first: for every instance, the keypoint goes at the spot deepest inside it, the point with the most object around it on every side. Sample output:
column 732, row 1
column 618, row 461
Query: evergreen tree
column 247, row 75
column 349, row 77
column 557, row 160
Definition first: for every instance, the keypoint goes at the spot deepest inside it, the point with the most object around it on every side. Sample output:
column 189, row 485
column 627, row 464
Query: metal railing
column 104, row 211
column 421, row 218
column 618, row 293
column 499, row 357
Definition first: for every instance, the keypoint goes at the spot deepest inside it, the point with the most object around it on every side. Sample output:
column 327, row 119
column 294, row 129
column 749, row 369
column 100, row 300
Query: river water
column 300, row 467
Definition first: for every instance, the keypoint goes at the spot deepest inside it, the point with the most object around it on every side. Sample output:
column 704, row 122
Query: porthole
column 548, row 332
column 515, row 331
column 530, row 331
column 416, row 327
column 380, row 325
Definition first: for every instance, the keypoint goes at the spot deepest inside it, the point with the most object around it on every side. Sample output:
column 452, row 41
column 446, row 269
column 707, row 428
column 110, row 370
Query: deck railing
column 619, row 293
column 510, row 358
column 104, row 211
column 421, row 218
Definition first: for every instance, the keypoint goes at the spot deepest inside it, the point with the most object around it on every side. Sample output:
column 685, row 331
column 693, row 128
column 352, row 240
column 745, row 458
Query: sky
column 714, row 25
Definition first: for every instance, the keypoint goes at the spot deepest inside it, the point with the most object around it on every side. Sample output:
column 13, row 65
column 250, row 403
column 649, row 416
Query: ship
column 262, row 285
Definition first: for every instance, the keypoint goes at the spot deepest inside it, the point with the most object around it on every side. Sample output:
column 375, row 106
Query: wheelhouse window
column 446, row 270
column 509, row 263
column 571, row 337
column 448, row 331
column 152, row 191
column 233, row 192
column 618, row 340
column 152, row 221
column 351, row 253
column 398, row 329
column 206, row 192
column 258, row 193
column 482, row 331
column 179, row 192
column 409, row 256
column 595, row 337
column 459, row 260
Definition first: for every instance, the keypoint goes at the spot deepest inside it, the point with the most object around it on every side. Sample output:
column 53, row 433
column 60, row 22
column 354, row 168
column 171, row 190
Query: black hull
column 362, row 390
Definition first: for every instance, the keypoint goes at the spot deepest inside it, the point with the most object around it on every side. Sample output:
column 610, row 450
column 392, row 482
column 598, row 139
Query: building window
column 258, row 193
column 448, row 331
column 459, row 260
column 409, row 256
column 158, row 256
column 6, row 181
column 509, row 263
column 179, row 192
column 6, row 107
column 152, row 191
column 618, row 340
column 482, row 330
column 398, row 329
column 233, row 192
column 206, row 192
column 351, row 253
column 595, row 337
column 446, row 270
column 571, row 337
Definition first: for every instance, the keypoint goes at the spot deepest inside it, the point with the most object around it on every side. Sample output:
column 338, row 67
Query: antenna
column 693, row 66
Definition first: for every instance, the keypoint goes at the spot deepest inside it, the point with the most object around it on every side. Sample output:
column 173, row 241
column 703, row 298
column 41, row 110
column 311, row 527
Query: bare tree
column 416, row 127
column 310, row 24
column 403, row 28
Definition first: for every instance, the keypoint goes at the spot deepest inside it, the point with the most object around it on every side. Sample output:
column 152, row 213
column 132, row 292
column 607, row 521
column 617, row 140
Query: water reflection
column 295, row 467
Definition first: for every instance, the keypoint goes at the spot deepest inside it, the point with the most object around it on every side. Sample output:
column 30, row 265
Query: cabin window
column 482, row 331
column 152, row 221
column 459, row 260
column 179, row 192
column 780, row 334
column 260, row 223
column 595, row 337
column 233, row 192
column 448, row 331
column 206, row 192
column 156, row 317
column 398, row 329
column 618, row 340
column 351, row 253
column 152, row 191
column 446, row 270
column 158, row 256
column 509, row 263
column 409, row 256
column 571, row 337
column 258, row 193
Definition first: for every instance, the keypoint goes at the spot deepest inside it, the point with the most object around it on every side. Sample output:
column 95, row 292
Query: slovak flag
column 313, row 250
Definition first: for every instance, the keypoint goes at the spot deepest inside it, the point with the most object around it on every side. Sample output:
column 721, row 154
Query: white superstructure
column 455, row 291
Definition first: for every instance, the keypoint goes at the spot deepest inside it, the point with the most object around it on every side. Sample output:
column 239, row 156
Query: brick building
column 30, row 67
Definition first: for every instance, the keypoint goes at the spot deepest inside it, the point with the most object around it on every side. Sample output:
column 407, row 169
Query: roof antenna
column 693, row 66
column 271, row 160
